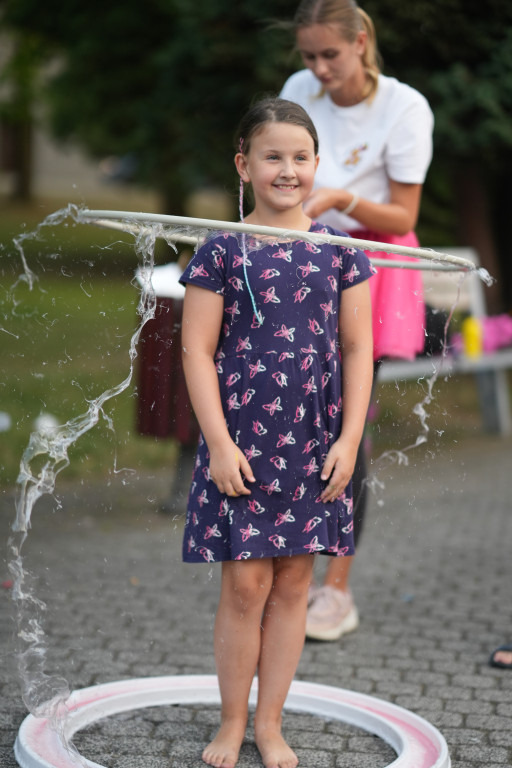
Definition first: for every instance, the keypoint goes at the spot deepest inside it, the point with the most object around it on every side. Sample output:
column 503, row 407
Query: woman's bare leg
column 284, row 624
column 338, row 572
column 237, row 643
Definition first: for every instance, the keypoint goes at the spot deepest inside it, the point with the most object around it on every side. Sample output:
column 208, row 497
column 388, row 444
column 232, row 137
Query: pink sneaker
column 331, row 614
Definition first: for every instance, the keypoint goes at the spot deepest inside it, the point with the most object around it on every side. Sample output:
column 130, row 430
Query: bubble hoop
column 124, row 221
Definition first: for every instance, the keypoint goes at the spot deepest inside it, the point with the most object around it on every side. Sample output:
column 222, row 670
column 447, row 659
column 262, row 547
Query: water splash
column 399, row 457
column 53, row 220
column 485, row 277
column 45, row 456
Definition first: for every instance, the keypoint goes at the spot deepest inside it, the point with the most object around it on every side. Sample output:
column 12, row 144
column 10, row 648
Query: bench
column 442, row 291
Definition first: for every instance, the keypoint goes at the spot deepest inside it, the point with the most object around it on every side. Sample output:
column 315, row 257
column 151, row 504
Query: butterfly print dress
column 280, row 385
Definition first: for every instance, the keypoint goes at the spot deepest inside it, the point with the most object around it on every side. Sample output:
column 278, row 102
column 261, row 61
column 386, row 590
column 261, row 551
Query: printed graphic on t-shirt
column 354, row 156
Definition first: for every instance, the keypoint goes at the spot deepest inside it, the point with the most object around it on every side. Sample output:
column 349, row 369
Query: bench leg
column 493, row 394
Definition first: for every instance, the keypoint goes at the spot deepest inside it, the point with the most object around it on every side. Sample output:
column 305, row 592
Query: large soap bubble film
column 47, row 452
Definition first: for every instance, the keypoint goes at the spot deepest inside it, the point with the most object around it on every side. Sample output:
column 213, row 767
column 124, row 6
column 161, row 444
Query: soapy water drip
column 400, row 457
column 44, row 695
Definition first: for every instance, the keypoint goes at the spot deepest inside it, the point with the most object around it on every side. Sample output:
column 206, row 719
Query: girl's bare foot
column 223, row 751
column 274, row 751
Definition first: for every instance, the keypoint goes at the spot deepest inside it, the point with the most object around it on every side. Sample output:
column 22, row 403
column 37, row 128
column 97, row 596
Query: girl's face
column 280, row 167
column 334, row 61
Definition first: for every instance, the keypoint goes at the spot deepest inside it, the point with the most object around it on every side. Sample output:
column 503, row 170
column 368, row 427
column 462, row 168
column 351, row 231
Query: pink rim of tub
column 418, row 744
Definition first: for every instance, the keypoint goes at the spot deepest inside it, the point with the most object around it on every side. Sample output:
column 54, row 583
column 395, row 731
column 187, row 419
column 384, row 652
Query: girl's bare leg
column 237, row 642
column 284, row 624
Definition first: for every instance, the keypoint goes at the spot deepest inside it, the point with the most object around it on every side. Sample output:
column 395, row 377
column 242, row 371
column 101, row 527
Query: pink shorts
column 397, row 301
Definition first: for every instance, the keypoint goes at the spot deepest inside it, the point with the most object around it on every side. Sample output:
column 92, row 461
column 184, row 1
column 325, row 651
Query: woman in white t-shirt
column 375, row 137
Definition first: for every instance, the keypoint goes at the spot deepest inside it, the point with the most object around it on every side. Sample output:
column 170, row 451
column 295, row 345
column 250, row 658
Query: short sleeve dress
column 281, row 388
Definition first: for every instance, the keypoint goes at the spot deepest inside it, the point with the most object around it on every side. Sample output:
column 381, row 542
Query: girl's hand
column 228, row 466
column 338, row 469
column 324, row 198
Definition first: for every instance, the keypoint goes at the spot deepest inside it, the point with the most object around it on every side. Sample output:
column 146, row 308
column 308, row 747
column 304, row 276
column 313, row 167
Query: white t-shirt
column 363, row 146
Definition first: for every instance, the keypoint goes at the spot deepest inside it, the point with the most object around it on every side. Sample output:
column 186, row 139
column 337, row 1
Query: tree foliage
column 167, row 80
column 164, row 80
column 458, row 53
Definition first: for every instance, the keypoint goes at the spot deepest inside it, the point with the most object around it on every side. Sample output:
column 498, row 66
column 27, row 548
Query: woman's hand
column 338, row 468
column 228, row 467
column 398, row 216
column 324, row 198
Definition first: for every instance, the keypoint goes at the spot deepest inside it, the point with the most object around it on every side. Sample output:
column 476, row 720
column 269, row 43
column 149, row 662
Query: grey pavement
column 432, row 581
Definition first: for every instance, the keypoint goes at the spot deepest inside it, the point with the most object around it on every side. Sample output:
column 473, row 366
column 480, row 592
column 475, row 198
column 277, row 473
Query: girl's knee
column 292, row 577
column 246, row 587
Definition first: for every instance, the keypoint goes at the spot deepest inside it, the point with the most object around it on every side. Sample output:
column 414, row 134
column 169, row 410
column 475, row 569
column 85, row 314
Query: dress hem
column 268, row 556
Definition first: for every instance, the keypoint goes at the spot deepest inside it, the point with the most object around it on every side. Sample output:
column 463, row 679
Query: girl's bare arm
column 202, row 318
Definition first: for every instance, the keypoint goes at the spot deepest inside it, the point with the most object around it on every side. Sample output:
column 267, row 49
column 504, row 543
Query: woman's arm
column 202, row 319
column 357, row 356
column 398, row 217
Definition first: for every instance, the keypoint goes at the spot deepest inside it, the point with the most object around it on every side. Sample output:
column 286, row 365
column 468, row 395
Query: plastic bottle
column 472, row 336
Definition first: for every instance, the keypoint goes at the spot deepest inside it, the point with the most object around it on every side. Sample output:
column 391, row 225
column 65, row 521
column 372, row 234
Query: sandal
column 501, row 664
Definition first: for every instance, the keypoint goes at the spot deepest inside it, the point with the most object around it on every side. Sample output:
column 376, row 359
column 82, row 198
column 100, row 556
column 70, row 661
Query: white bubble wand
column 135, row 222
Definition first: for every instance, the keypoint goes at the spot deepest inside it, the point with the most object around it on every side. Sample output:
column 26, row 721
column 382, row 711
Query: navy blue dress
column 281, row 389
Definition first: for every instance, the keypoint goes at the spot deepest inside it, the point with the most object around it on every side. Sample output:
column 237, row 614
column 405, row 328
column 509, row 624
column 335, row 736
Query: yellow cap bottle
column 472, row 336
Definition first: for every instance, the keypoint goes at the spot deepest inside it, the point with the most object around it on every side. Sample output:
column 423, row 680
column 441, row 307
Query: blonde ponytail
column 371, row 56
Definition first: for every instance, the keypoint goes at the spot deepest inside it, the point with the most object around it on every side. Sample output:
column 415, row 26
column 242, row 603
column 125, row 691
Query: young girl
column 263, row 326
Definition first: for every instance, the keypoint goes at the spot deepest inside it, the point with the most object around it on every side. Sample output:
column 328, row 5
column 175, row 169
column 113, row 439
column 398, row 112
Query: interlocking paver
column 431, row 581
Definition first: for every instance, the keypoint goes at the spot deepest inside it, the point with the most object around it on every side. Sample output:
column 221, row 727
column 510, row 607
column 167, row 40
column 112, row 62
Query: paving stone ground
column 432, row 581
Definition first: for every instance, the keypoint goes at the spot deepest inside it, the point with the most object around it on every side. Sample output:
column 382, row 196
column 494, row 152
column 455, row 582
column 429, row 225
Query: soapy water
column 420, row 409
column 48, row 447
column 49, row 444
